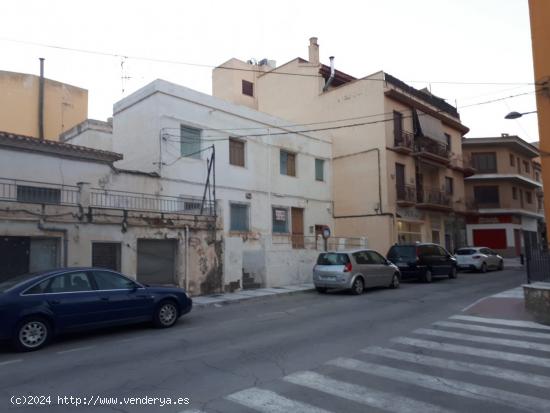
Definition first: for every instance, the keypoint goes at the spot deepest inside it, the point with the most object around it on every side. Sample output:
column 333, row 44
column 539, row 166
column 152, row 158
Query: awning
column 431, row 127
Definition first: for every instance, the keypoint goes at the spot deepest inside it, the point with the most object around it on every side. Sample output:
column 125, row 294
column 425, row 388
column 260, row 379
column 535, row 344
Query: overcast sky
column 422, row 42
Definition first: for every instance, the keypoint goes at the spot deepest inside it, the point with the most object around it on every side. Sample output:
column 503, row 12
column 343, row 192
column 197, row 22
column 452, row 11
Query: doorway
column 156, row 261
column 297, row 227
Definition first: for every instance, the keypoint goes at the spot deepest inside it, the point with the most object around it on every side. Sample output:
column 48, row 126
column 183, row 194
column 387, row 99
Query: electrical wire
column 203, row 65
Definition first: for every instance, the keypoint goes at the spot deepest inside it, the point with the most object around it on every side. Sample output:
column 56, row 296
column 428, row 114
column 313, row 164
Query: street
column 305, row 352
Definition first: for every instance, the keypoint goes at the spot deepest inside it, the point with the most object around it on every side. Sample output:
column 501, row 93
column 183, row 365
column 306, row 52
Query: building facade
column 70, row 206
column 273, row 187
column 397, row 156
column 505, row 193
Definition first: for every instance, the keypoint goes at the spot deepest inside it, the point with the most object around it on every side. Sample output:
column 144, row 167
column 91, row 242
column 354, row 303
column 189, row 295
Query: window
column 319, row 170
column 361, row 257
column 514, row 193
column 529, row 197
column 512, row 160
column 526, row 166
column 397, row 126
column 486, row 195
column 280, row 220
column 375, row 258
column 539, row 203
column 106, row 280
column 64, row 283
column 537, row 176
column 38, row 195
column 236, row 152
column 288, row 163
column 448, row 139
column 106, row 255
column 248, row 88
column 485, row 162
column 239, row 221
column 190, row 142
column 449, row 188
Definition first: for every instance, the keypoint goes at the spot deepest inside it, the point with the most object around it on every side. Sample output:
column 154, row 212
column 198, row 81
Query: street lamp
column 515, row 115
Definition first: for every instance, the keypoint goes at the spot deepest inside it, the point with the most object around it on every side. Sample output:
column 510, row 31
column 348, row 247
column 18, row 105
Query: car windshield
column 402, row 251
column 466, row 251
column 332, row 258
column 13, row 281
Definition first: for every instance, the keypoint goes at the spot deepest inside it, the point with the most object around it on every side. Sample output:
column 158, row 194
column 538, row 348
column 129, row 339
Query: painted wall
column 64, row 105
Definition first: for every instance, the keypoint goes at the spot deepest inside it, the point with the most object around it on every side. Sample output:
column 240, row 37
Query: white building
column 273, row 184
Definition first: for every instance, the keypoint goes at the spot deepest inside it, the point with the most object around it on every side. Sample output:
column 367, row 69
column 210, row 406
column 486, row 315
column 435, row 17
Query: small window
column 319, row 170
column 526, row 166
column 514, row 193
column 106, row 255
column 280, row 220
column 39, row 288
column 332, row 258
column 529, row 197
column 248, row 88
column 73, row 282
column 361, row 258
column 375, row 258
column 512, row 160
column 106, row 280
column 540, row 203
column 288, row 163
column 537, row 176
column 190, row 142
column 449, row 186
column 236, row 152
column 239, row 219
column 38, row 195
column 448, row 139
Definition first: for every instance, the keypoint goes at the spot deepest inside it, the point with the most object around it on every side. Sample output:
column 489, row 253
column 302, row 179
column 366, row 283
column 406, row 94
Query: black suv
column 422, row 261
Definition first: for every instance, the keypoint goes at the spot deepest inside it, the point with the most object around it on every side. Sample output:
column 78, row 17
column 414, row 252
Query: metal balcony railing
column 406, row 193
column 403, row 140
column 431, row 147
column 38, row 192
column 433, row 197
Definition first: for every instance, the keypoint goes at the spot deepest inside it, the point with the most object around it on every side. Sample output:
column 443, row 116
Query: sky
column 445, row 45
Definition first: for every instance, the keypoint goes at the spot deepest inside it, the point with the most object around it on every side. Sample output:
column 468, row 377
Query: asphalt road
column 294, row 353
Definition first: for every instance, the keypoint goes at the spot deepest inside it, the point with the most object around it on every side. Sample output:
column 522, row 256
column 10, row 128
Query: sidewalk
column 217, row 300
column 513, row 264
column 509, row 305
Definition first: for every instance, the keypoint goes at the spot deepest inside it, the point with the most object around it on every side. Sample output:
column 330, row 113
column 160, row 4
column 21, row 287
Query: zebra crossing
column 464, row 363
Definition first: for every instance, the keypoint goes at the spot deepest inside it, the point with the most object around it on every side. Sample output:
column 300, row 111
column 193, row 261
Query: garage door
column 156, row 261
column 492, row 238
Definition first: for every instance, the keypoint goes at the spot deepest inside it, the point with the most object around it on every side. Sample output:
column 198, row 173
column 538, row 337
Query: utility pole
column 539, row 11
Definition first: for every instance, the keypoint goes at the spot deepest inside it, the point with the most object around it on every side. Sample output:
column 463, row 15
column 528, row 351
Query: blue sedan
column 35, row 307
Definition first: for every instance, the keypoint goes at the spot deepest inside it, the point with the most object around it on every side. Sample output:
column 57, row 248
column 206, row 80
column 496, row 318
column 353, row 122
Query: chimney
column 313, row 51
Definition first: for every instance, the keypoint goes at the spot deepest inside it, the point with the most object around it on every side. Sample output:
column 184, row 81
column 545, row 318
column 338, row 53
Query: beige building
column 64, row 106
column 505, row 194
column 397, row 157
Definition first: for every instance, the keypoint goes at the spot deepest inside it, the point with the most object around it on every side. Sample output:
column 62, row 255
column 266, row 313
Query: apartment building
column 505, row 197
column 397, row 156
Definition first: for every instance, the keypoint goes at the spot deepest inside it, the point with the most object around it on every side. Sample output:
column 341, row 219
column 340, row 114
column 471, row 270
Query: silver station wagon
column 354, row 270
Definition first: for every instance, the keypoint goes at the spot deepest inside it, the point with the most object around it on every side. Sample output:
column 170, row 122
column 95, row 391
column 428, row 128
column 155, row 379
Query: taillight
column 347, row 267
column 476, row 257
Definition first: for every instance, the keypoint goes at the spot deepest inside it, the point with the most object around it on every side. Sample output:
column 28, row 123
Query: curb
column 239, row 297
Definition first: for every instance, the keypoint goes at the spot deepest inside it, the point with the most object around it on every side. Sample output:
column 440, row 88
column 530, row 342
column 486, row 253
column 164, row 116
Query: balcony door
column 400, row 180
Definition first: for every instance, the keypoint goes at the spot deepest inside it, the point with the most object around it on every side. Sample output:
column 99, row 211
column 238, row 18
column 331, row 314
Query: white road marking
column 482, row 339
column 474, row 368
column 456, row 387
column 474, row 351
column 486, row 329
column 5, row 363
column 473, row 304
column 267, row 401
column 363, row 395
column 502, row 322
column 192, row 411
column 75, row 349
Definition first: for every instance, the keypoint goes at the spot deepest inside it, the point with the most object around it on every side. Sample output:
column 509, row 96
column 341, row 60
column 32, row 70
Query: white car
column 478, row 259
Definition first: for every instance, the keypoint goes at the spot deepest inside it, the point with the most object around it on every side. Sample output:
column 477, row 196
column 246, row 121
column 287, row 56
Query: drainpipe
column 41, row 101
column 65, row 239
column 186, row 269
column 331, row 78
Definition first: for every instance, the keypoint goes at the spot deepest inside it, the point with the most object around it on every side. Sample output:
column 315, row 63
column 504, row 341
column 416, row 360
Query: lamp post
column 516, row 115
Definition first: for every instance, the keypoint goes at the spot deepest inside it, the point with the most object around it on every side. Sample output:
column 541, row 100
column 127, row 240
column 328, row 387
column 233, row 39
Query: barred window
column 280, row 220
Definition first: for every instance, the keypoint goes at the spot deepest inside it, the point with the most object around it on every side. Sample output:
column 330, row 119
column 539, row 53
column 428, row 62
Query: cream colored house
column 64, row 106
column 506, row 198
column 397, row 156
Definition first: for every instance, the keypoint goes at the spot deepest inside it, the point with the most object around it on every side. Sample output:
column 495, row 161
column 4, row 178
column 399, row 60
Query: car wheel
column 321, row 290
column 395, row 281
column 166, row 314
column 501, row 265
column 483, row 268
column 427, row 276
column 454, row 273
column 358, row 286
column 32, row 334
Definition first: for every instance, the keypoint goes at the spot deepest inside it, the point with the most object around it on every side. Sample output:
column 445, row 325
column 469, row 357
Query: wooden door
column 297, row 227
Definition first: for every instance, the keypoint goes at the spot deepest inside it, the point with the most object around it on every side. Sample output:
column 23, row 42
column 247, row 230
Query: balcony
column 406, row 195
column 42, row 193
column 433, row 199
column 464, row 164
column 403, row 142
column 432, row 151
